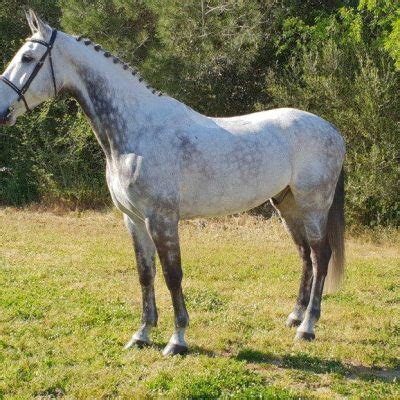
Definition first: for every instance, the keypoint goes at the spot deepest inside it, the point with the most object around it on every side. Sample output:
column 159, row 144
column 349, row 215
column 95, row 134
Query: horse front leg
column 145, row 261
column 164, row 231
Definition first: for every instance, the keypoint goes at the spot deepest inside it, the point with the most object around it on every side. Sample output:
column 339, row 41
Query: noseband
column 21, row 92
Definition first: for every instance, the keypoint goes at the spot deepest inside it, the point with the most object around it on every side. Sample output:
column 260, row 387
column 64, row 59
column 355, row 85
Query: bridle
column 21, row 92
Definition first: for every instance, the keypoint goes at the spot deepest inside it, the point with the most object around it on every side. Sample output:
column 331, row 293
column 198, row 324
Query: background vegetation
column 339, row 59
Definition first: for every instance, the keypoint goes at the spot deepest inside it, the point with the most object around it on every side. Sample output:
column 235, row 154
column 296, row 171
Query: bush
column 53, row 156
column 362, row 101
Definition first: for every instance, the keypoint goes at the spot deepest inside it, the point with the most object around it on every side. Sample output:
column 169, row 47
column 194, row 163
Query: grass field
column 70, row 299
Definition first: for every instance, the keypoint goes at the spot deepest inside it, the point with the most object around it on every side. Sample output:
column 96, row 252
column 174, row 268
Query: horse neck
column 117, row 104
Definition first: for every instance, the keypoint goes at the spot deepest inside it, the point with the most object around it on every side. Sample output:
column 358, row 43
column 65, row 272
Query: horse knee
column 173, row 278
column 146, row 277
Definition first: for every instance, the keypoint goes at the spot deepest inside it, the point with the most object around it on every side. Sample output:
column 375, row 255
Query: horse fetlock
column 136, row 342
column 294, row 319
column 298, row 312
column 141, row 338
column 177, row 343
column 305, row 331
column 173, row 349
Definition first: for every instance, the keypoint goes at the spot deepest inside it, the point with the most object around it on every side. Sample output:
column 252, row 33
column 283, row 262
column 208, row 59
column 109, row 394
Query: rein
column 21, row 92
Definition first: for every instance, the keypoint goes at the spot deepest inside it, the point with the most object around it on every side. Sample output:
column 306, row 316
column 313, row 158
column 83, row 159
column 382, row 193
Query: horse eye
column 26, row 58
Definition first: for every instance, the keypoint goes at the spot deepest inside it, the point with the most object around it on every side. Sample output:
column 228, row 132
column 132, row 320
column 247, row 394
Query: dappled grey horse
column 166, row 162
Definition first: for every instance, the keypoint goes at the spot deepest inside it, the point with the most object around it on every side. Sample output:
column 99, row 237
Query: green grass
column 70, row 299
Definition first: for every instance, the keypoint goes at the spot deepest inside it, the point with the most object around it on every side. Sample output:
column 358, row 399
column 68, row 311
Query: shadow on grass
column 304, row 362
column 193, row 350
column 317, row 365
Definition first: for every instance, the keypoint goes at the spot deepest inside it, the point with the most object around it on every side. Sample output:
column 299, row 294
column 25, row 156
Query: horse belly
column 233, row 182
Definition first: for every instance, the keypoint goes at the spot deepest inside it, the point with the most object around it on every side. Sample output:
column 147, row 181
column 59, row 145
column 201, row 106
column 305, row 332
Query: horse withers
column 166, row 162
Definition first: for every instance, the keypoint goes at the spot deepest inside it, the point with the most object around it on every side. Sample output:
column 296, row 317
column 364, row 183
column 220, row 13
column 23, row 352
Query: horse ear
column 36, row 24
column 29, row 19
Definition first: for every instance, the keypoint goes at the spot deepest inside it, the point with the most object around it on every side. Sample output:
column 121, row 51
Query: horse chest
column 140, row 187
column 122, row 179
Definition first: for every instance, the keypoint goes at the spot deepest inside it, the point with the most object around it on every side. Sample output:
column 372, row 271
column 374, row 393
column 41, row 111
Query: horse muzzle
column 8, row 118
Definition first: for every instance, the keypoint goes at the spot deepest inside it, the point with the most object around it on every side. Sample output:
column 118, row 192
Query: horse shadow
column 317, row 365
column 303, row 362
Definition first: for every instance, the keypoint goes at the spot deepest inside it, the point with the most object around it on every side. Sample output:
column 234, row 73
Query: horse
column 166, row 162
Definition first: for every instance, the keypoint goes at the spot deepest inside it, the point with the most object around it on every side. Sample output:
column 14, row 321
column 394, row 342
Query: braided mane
column 117, row 60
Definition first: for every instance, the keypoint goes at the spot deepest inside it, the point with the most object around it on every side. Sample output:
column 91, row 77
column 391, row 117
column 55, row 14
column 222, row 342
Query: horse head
column 30, row 77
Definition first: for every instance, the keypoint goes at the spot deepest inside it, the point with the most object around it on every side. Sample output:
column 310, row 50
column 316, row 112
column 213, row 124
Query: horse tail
column 335, row 231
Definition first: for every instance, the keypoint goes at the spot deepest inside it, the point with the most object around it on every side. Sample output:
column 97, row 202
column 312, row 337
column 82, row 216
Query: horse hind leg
column 293, row 221
column 321, row 204
column 315, row 222
column 320, row 256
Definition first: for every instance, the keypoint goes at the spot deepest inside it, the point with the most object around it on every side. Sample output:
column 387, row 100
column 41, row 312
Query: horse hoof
column 172, row 349
column 292, row 322
column 137, row 343
column 308, row 336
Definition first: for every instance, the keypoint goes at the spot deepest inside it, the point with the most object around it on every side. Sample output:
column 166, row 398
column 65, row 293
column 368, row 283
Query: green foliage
column 363, row 102
column 206, row 51
column 53, row 156
column 338, row 59
column 125, row 28
column 384, row 19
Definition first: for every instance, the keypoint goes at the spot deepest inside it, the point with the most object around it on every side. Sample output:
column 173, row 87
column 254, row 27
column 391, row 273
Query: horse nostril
column 6, row 115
